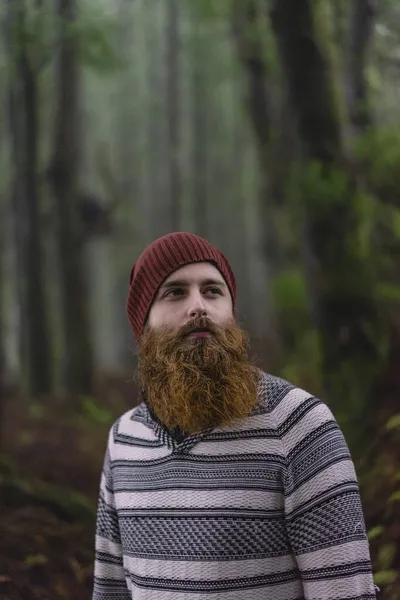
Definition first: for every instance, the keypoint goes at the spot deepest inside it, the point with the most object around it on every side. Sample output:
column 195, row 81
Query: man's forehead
column 195, row 273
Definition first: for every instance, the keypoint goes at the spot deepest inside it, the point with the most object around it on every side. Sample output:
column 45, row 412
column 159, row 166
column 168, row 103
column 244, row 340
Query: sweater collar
column 176, row 440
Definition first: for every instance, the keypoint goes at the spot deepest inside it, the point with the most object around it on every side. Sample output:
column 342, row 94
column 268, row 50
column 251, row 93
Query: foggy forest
column 270, row 127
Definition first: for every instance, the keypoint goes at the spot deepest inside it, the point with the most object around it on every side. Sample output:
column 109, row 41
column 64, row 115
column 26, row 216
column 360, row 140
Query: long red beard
column 194, row 384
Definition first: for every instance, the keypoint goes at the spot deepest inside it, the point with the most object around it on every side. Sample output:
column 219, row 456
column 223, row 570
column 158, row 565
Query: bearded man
column 225, row 482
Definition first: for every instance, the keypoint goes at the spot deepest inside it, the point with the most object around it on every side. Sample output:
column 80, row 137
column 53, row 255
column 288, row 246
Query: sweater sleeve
column 323, row 512
column 109, row 575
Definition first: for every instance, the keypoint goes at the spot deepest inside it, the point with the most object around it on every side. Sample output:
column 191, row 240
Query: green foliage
column 34, row 560
column 33, row 32
column 302, row 353
column 378, row 151
column 95, row 33
column 209, row 10
column 17, row 490
column 35, row 29
column 290, row 291
column 386, row 555
column 393, row 422
column 385, row 577
column 387, row 293
column 303, row 365
column 67, row 503
column 315, row 190
column 375, row 532
column 395, row 222
column 95, row 412
column 8, row 466
column 395, row 497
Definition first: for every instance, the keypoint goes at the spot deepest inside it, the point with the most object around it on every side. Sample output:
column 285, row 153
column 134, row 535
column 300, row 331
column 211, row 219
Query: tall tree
column 24, row 133
column 344, row 270
column 199, row 99
column 173, row 90
column 2, row 332
column 271, row 122
column 155, row 203
column 63, row 176
column 363, row 18
column 251, row 53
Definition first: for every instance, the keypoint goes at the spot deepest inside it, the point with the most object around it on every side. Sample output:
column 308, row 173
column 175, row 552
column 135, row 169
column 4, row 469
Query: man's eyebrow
column 186, row 283
column 175, row 283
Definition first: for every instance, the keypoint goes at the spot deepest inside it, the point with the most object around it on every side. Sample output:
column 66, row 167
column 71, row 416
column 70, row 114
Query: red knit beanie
column 164, row 256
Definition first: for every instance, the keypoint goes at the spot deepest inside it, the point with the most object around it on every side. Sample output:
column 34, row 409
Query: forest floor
column 50, row 467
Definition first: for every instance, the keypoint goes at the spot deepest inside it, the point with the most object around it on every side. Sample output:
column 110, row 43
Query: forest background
column 271, row 127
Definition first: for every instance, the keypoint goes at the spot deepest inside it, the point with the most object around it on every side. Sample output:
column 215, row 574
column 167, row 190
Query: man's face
column 193, row 357
column 195, row 290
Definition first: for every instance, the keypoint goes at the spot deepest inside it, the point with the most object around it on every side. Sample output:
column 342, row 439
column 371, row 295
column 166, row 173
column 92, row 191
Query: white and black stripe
column 266, row 509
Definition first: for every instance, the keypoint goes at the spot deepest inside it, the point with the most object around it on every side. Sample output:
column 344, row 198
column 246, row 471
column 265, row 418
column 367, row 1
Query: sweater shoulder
column 274, row 391
column 289, row 405
column 131, row 425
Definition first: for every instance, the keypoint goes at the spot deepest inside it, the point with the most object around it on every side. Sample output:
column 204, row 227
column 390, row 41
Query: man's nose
column 197, row 306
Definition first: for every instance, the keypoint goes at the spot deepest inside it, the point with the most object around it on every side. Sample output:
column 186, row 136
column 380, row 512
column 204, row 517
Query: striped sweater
column 265, row 509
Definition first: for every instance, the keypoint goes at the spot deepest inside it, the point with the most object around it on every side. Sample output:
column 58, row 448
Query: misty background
column 270, row 127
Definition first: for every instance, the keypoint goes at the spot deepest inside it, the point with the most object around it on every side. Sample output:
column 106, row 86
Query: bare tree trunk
column 199, row 153
column 2, row 321
column 310, row 78
column 63, row 174
column 173, row 68
column 250, row 50
column 25, row 134
column 274, row 153
column 251, row 53
column 363, row 18
column 269, row 114
column 340, row 15
column 40, row 376
column 156, row 204
column 18, row 215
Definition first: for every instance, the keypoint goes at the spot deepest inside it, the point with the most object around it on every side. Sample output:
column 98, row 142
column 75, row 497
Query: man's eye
column 214, row 291
column 174, row 292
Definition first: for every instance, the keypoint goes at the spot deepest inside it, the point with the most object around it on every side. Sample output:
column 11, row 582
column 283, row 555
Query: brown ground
column 49, row 482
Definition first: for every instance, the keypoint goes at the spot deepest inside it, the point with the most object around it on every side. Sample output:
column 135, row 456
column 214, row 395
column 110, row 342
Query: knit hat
column 164, row 256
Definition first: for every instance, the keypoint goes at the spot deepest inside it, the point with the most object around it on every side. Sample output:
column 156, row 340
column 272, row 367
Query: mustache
column 199, row 323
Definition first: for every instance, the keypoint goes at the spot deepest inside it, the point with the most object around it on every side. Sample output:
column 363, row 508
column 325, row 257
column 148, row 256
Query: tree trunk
column 199, row 154
column 25, row 139
column 63, row 173
column 310, row 78
column 343, row 276
column 2, row 328
column 251, row 53
column 155, row 204
column 19, row 218
column 173, row 112
column 363, row 18
column 340, row 16
column 268, row 117
column 40, row 368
